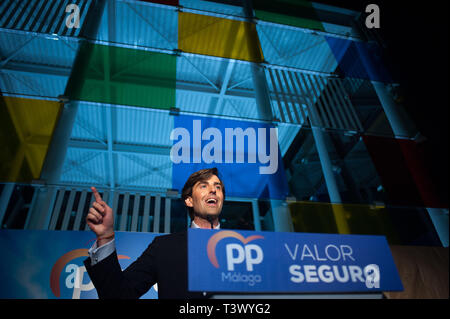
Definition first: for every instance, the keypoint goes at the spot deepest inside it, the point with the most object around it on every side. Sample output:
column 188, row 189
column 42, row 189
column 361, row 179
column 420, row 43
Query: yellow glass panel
column 314, row 217
column 218, row 37
column 26, row 129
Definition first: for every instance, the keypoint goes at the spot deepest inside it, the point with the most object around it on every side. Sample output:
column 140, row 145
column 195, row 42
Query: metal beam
column 308, row 31
column 88, row 173
column 172, row 45
column 83, row 123
column 16, row 51
column 70, row 164
column 201, row 74
column 232, row 93
column 108, row 110
column 237, row 94
column 224, row 87
column 150, row 169
column 33, row 70
column 36, row 69
column 120, row 148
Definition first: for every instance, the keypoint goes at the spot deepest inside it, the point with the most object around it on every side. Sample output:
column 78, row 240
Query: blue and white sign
column 246, row 154
column 248, row 261
column 43, row 264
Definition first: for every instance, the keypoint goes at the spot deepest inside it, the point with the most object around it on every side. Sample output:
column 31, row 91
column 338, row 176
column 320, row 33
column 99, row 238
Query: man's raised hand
column 100, row 219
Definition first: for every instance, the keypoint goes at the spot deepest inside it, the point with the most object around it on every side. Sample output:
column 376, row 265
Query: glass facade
column 165, row 89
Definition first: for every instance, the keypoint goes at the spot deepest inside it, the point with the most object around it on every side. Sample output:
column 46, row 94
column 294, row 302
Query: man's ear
column 188, row 202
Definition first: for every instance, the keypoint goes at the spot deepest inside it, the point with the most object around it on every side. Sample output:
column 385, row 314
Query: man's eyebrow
column 206, row 182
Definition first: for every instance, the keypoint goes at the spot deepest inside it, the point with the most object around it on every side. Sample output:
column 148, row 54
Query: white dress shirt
column 97, row 254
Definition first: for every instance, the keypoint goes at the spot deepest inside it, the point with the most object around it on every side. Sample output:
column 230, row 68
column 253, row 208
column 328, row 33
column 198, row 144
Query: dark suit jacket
column 163, row 262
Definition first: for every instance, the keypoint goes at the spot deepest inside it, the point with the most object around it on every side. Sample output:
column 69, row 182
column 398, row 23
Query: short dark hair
column 199, row 176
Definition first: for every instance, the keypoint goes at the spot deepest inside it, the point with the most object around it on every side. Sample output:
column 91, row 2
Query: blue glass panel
column 360, row 60
column 247, row 169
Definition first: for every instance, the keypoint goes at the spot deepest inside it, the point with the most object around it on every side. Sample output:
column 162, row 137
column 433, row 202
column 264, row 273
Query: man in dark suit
column 165, row 260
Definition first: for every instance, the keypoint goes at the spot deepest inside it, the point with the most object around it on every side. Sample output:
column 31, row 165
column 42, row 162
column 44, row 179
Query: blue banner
column 49, row 264
column 246, row 153
column 248, row 261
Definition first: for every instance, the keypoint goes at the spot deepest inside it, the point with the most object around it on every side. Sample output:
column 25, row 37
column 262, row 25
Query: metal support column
column 40, row 211
column 259, row 78
column 326, row 165
column 157, row 214
column 54, row 161
column 256, row 217
column 167, row 207
column 330, row 180
column 399, row 120
column 261, row 93
column 282, row 220
column 51, row 170
column 404, row 128
column 4, row 200
column 280, row 211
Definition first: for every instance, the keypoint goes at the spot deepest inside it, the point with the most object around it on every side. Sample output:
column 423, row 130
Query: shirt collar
column 194, row 225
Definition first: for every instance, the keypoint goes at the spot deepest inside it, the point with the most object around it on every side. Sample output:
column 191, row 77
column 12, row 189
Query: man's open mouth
column 211, row 202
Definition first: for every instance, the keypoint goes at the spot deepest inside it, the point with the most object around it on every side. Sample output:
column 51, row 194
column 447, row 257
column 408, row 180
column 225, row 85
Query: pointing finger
column 98, row 198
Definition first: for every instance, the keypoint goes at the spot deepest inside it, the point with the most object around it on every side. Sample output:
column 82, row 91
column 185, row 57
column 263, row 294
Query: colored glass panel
column 400, row 225
column 294, row 13
column 392, row 168
column 26, row 129
column 218, row 37
column 123, row 76
column 246, row 154
column 355, row 174
column 360, row 60
column 417, row 161
column 313, row 217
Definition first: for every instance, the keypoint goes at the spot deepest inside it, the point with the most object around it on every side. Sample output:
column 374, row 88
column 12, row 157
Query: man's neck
column 204, row 223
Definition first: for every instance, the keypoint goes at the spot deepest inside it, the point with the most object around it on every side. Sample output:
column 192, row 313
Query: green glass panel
column 294, row 13
column 115, row 75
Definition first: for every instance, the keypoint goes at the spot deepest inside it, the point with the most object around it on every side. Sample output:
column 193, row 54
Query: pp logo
column 251, row 254
column 74, row 279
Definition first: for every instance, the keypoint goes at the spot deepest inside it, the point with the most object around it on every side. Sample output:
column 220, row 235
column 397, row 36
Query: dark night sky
column 417, row 37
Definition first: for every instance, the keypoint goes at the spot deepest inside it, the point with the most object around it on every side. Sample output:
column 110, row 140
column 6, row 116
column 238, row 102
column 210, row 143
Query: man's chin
column 208, row 215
